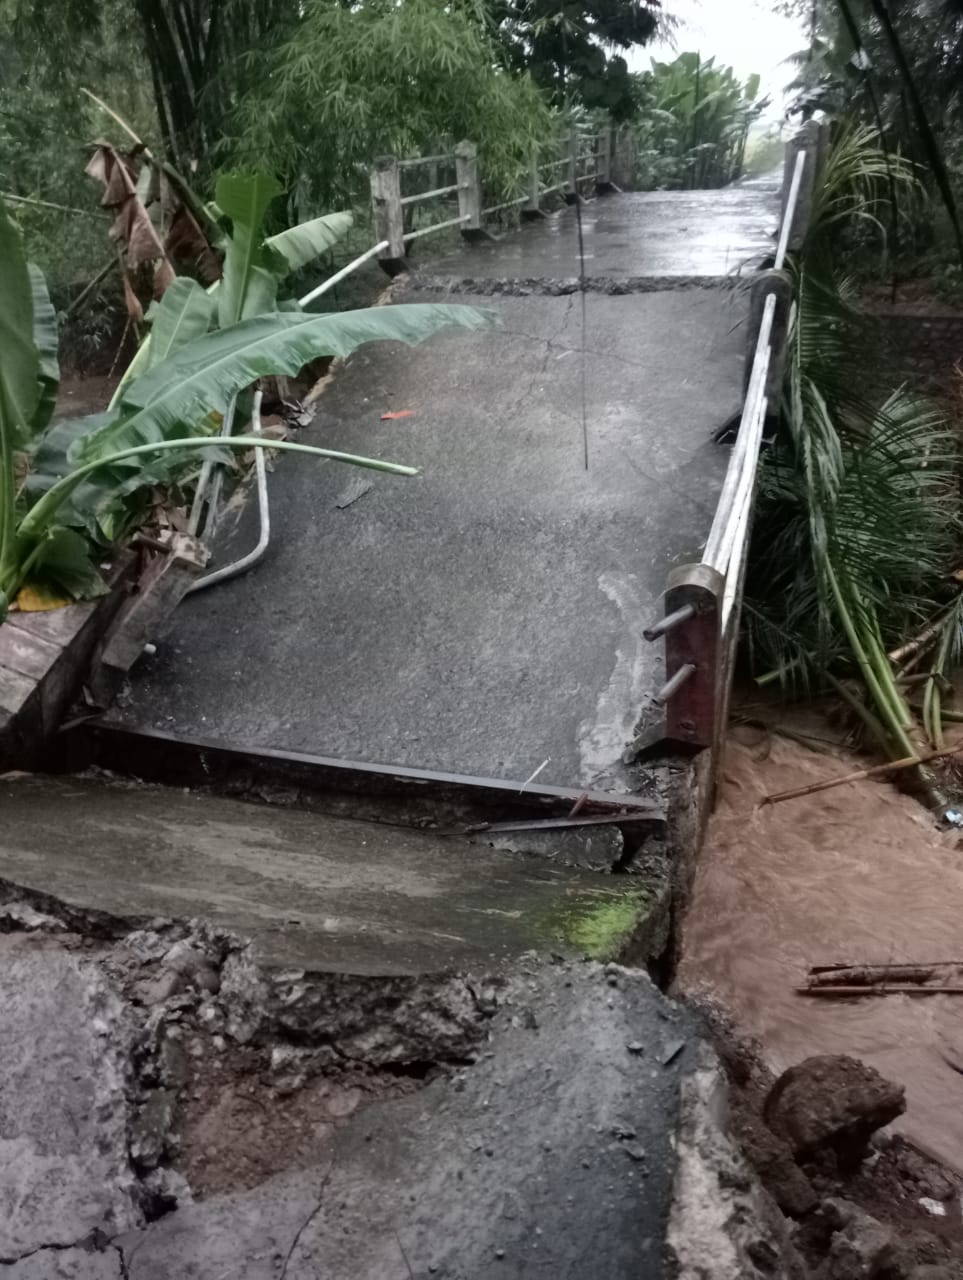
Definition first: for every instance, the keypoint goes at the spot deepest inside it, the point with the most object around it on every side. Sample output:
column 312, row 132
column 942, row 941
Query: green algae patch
column 599, row 924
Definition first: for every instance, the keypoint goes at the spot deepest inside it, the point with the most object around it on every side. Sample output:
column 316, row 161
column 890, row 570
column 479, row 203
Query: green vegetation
column 601, row 929
column 694, row 122
column 858, row 524
column 382, row 79
column 897, row 68
column 83, row 477
column 574, row 51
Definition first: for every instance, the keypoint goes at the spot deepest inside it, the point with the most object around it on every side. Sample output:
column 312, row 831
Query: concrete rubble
column 166, row 1116
column 546, row 1142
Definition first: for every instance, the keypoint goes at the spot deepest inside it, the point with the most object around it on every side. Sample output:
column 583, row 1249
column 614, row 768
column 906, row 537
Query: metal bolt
column 674, row 683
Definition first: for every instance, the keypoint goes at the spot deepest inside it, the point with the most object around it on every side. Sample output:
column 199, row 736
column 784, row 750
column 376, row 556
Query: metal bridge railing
column 703, row 601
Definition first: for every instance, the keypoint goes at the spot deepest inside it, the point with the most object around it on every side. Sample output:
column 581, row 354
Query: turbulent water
column 858, row 874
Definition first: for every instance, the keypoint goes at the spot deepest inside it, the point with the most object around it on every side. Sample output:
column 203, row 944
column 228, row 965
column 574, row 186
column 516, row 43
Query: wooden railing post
column 809, row 139
column 573, row 160
column 623, row 158
column 530, row 210
column 388, row 213
column 605, row 182
column 469, row 191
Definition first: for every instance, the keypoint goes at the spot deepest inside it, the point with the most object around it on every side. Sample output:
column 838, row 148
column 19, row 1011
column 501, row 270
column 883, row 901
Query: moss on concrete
column 599, row 925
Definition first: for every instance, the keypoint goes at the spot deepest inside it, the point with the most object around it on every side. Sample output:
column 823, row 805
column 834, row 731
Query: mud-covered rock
column 772, row 1159
column 832, row 1103
column 932, row 1180
column 149, row 1127
column 861, row 1248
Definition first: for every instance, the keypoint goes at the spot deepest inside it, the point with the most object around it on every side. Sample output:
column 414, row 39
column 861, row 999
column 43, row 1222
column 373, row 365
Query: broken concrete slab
column 485, row 617
column 659, row 234
column 552, row 1154
column 723, row 1224
column 310, row 892
column 67, row 1264
column 552, row 1144
column 65, row 1047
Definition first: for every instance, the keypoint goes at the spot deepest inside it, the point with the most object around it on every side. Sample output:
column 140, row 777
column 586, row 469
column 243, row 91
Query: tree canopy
column 573, row 48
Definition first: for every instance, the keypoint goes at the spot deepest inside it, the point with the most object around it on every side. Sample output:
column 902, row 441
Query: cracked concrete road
column 545, row 1146
column 485, row 617
column 65, row 1044
column 550, row 1155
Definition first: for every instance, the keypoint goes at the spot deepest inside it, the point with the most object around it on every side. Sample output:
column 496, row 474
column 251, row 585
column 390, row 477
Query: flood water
column 858, row 874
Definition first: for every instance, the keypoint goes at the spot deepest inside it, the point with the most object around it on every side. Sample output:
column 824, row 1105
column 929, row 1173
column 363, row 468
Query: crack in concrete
column 124, row 1272
column 88, row 1243
column 521, row 287
column 550, row 344
column 309, row 1219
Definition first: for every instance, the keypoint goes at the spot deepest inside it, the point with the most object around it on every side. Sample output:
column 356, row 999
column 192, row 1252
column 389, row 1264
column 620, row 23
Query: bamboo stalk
column 90, row 286
column 48, row 204
column 878, row 770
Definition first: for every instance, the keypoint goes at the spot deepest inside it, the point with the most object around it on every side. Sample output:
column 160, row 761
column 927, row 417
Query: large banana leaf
column 19, row 362
column 46, row 341
column 251, row 268
column 183, row 314
column 100, row 505
column 308, row 240
column 181, row 391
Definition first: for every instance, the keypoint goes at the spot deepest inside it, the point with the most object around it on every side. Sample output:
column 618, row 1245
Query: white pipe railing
column 703, row 601
column 343, row 274
column 264, row 517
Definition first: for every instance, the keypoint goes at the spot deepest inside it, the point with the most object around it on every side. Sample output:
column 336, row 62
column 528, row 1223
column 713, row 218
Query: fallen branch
column 888, row 968
column 866, row 975
column 893, row 989
column 929, row 632
column 877, row 771
column 91, row 286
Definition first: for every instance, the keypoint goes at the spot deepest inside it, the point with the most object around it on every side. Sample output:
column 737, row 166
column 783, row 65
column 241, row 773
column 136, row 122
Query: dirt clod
column 851, row 1221
column 832, row 1103
column 860, row 1247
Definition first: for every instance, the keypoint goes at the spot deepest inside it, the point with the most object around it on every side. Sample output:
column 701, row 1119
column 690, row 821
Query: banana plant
column 255, row 267
column 76, row 471
column 695, row 121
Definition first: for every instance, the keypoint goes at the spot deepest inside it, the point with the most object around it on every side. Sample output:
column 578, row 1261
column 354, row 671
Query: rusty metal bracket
column 691, row 694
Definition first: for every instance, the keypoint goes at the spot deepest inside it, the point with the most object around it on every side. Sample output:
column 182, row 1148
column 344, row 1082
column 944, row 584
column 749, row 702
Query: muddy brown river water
column 857, row 874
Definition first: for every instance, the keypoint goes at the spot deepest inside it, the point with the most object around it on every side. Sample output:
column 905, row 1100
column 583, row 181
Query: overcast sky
column 744, row 34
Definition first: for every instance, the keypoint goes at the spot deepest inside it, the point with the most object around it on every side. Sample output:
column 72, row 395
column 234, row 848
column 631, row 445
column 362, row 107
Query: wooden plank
column 27, row 654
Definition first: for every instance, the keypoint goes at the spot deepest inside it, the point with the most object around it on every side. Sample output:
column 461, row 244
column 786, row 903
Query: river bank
column 859, row 874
